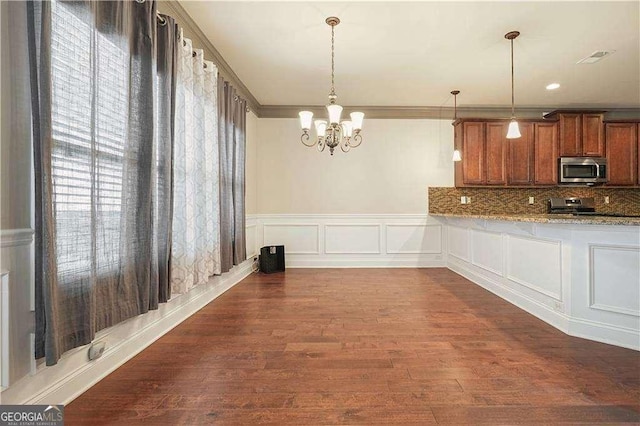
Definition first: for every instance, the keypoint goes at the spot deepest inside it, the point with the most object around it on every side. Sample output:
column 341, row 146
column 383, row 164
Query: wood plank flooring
column 366, row 346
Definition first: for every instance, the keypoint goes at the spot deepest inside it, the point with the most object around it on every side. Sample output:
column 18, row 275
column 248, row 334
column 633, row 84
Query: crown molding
column 193, row 31
column 405, row 112
column 443, row 113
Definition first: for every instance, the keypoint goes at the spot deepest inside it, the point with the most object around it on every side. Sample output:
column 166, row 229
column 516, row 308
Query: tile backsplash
column 516, row 200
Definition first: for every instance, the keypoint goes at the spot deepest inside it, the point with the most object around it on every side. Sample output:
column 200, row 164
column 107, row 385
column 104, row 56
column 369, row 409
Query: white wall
column 389, row 173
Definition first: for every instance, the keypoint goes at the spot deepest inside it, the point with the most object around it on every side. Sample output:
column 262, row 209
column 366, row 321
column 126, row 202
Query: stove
column 578, row 207
column 571, row 205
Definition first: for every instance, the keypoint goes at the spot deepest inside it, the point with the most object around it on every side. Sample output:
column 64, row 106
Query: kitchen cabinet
column 496, row 150
column 581, row 134
column 483, row 148
column 490, row 159
column 545, row 155
column 521, row 154
column 622, row 153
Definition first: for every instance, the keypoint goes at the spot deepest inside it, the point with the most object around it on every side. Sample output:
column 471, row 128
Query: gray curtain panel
column 238, row 184
column 232, row 131
column 102, row 76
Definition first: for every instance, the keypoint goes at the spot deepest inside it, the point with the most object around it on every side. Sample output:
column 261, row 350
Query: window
column 89, row 132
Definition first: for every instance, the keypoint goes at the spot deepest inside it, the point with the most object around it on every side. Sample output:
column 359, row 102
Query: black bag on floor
column 272, row 259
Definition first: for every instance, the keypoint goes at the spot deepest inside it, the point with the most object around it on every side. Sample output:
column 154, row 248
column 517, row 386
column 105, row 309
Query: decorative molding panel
column 535, row 264
column 409, row 238
column 354, row 240
column 4, row 330
column 298, row 238
column 486, row 251
column 458, row 242
column 582, row 279
column 251, row 236
column 16, row 237
column 347, row 238
column 614, row 279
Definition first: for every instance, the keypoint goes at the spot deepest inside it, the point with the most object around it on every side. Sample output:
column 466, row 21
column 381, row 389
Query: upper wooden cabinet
column 622, row 153
column 483, row 148
column 490, row 159
column 545, row 153
column 496, row 149
column 520, row 158
column 581, row 134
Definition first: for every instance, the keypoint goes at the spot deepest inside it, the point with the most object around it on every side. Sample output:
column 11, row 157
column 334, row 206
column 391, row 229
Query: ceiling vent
column 595, row 56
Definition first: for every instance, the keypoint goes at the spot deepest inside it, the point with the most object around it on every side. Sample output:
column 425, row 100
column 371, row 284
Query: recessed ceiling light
column 595, row 56
column 553, row 86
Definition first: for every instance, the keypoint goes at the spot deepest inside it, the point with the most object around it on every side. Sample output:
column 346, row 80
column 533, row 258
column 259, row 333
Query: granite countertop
column 549, row 218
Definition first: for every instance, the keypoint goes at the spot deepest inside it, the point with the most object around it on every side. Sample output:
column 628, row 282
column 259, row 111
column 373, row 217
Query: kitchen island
column 579, row 274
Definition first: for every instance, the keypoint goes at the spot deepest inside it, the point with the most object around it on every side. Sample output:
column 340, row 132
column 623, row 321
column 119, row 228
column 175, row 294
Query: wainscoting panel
column 414, row 239
column 542, row 270
column 614, row 279
column 458, row 242
column 354, row 240
column 299, row 238
column 251, row 228
column 486, row 251
column 4, row 329
column 582, row 279
column 18, row 319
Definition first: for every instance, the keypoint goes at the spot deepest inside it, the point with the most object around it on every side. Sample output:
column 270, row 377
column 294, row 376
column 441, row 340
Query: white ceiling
column 415, row 53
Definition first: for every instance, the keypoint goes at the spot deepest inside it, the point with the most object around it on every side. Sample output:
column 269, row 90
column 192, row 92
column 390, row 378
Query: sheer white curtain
column 195, row 245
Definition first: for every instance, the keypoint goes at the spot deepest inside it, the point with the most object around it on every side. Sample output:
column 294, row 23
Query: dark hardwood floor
column 366, row 346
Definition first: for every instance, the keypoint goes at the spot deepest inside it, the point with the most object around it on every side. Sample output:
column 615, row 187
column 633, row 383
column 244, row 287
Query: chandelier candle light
column 334, row 133
column 514, row 130
column 455, row 93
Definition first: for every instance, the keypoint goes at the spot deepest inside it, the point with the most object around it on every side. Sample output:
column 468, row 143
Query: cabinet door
column 622, row 155
column 545, row 153
column 592, row 135
column 473, row 153
column 496, row 153
column 570, row 135
column 521, row 157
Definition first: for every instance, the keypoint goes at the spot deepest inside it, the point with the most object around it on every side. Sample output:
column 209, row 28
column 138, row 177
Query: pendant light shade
column 456, row 155
column 305, row 119
column 514, row 130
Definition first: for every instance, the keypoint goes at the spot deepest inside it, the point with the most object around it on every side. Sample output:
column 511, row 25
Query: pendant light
column 456, row 152
column 514, row 129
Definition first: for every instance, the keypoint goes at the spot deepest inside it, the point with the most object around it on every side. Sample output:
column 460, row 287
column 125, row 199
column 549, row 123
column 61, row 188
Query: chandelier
column 345, row 133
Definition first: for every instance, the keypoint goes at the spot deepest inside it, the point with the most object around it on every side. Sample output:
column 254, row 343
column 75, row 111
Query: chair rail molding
column 16, row 237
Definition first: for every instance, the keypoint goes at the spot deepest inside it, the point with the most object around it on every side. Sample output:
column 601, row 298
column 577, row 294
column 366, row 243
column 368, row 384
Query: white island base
column 583, row 279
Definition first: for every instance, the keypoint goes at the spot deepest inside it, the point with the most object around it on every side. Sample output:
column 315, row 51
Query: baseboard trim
column 364, row 263
column 575, row 327
column 73, row 375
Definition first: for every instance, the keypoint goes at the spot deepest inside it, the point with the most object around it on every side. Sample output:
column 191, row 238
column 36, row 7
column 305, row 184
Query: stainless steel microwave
column 582, row 170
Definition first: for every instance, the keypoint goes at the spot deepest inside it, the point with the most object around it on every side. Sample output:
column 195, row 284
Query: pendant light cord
column 513, row 111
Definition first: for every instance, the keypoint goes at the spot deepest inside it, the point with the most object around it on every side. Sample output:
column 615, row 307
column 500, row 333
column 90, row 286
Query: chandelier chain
column 333, row 90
